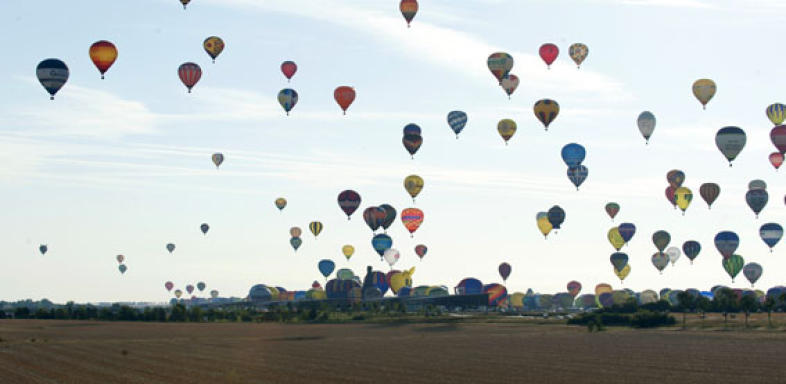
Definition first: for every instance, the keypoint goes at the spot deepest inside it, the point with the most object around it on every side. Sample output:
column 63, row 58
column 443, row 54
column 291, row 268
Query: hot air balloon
column 704, row 90
column 496, row 294
column 178, row 293
column 204, row 228
column 509, row 84
column 691, row 249
column 627, row 230
column 288, row 68
column 280, row 203
column 675, row 177
column 573, row 154
column 574, row 287
column 673, row 253
column 546, row 110
column 381, row 243
column 683, row 196
column 201, row 286
column 295, row 231
column 52, row 74
column 578, row 52
column 776, row 159
column 602, row 288
column 295, row 242
column 730, row 141
column 214, row 294
column 103, row 54
column 412, row 143
column 612, row 209
column 548, row 52
column 500, row 64
column 122, row 268
column 413, row 184
column 756, row 199
column 345, row 274
column 184, row 2
column 660, row 261
column 544, row 225
column 757, row 184
column 421, row 250
column 671, row 195
column 389, row 218
column 120, row 258
column 43, row 248
column 504, row 271
column 727, row 242
column 577, row 175
column 646, row 123
column 412, row 218
column 213, row 46
column 326, row 267
column 709, row 192
column 776, row 113
column 315, row 227
column 412, row 129
column 189, row 73
column 344, row 96
column 752, row 272
column 661, row 239
column 408, row 9
column 619, row 260
column 348, row 251
column 615, row 238
column 349, row 201
column 287, row 98
column 373, row 216
column 778, row 137
column 733, row 265
column 556, row 216
column 189, row 289
column 457, row 120
column 170, row 247
column 217, row 158
column 623, row 273
column 506, row 129
column 391, row 256
column 771, row 234
column 169, row 285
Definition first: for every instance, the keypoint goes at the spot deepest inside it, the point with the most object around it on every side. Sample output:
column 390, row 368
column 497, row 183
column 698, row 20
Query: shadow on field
column 437, row 328
column 297, row 338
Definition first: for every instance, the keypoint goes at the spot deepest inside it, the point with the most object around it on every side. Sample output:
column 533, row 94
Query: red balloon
column 344, row 97
column 776, row 159
column 778, row 137
column 549, row 53
column 670, row 194
column 189, row 73
column 168, row 285
column 412, row 218
column 288, row 68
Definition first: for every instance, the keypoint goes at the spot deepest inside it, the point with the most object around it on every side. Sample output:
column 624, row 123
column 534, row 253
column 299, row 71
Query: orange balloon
column 412, row 219
column 344, row 97
column 103, row 53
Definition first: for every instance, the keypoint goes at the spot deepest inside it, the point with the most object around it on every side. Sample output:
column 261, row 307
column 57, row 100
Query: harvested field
column 41, row 351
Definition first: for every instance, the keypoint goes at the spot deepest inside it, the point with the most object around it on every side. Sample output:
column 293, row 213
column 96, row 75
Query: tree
column 703, row 304
column 749, row 303
column 687, row 303
column 727, row 302
column 178, row 313
column 769, row 305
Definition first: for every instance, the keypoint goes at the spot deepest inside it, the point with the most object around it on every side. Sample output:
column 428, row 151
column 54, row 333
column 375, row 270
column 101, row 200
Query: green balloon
column 733, row 265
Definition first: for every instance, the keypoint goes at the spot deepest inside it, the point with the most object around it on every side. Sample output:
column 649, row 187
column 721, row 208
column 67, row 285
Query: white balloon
column 391, row 256
column 673, row 253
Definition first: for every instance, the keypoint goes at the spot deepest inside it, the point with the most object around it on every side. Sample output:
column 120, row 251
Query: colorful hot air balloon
column 120, row 258
column 408, row 9
column 603, row 288
column 776, row 113
column 217, row 158
column 612, row 209
column 381, row 243
column 344, row 96
column 573, row 154
column 412, row 218
column 391, row 256
column 771, row 234
column 556, row 216
column 506, row 129
column 204, row 228
column 776, row 159
column 295, row 231
column 457, row 120
column 189, row 73
column 615, row 238
column 43, row 248
column 201, row 286
column 389, row 217
column 184, row 2
column 691, row 249
column 500, row 64
column 709, row 192
column 288, row 68
column 103, row 54
column 752, row 272
column 757, row 200
column 646, row 123
column 504, row 271
column 122, row 268
column 578, row 52
column 577, row 175
column 546, row 110
column 727, row 242
column 675, row 177
column 412, row 129
column 169, row 285
column 421, row 250
column 315, row 227
column 412, row 143
column 627, row 230
column 287, row 98
column 704, row 90
column 170, row 247
column 661, row 239
column 778, row 138
column 349, row 201
column 178, row 293
column 574, row 288
column 623, row 273
column 544, row 225
column 213, row 46
column 295, row 242
column 673, row 253
column 660, row 261
column 373, row 216
column 671, row 195
column 683, row 196
column 52, row 74
column 280, row 203
column 733, row 265
column 348, row 251
column 509, row 84
column 548, row 52
column 326, row 267
column 730, row 141
column 413, row 184
column 619, row 260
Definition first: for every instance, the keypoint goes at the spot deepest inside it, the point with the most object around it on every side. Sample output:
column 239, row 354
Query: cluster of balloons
column 678, row 195
column 757, row 196
column 122, row 267
column 552, row 219
column 412, row 139
column 573, row 155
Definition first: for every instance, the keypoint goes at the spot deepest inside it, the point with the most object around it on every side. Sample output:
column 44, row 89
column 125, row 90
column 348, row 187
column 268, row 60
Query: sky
column 122, row 165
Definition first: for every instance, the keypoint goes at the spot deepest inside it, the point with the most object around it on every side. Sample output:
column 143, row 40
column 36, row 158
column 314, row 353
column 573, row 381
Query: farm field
column 42, row 351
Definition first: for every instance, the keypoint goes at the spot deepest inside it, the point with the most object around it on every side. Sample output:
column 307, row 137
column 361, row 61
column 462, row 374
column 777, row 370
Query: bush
column 648, row 319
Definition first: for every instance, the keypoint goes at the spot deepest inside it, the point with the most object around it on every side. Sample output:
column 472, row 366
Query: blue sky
column 122, row 166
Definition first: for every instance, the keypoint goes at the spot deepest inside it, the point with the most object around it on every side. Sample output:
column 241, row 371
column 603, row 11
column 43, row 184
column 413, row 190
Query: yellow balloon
column 623, row 273
column 413, row 184
column 704, row 90
column 602, row 288
column 545, row 226
column 401, row 279
column 348, row 251
column 517, row 300
column 683, row 197
column 506, row 129
column 213, row 46
column 615, row 238
column 316, row 294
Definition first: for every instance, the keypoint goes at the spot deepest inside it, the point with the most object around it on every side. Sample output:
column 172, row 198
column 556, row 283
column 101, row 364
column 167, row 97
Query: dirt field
column 40, row 351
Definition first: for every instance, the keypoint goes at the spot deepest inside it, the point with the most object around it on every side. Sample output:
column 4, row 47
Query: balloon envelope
column 500, row 64
column 577, row 175
column 344, row 96
column 122, row 268
column 704, row 90
column 315, row 227
column 661, row 240
column 691, row 249
column 295, row 242
column 573, row 154
column 103, row 54
column 574, row 287
column 288, row 68
column 287, row 97
column 506, row 129
column 391, row 256
column 280, row 203
column 615, row 238
column 578, row 52
column 757, row 200
column 412, row 143
column 646, row 123
column 390, row 216
column 412, row 129
column 730, row 141
column 412, row 218
column 408, row 9
column 776, row 159
column 421, row 250
column 727, row 242
column 660, row 260
column 349, row 201
column 619, row 260
column 556, row 215
column 546, row 110
column 776, row 113
column 612, row 209
column 469, row 286
column 752, row 272
column 457, row 120
column 627, row 230
column 295, row 231
column 682, row 197
column 213, row 45
column 43, row 249
column 189, row 74
column 509, row 84
column 169, row 285
column 675, row 177
column 771, row 234
column 733, row 265
column 673, row 253
column 52, row 74
column 548, row 52
column 709, row 192
column 504, row 271
column 170, row 247
column 326, row 267
column 381, row 243
column 204, row 228
column 413, row 184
